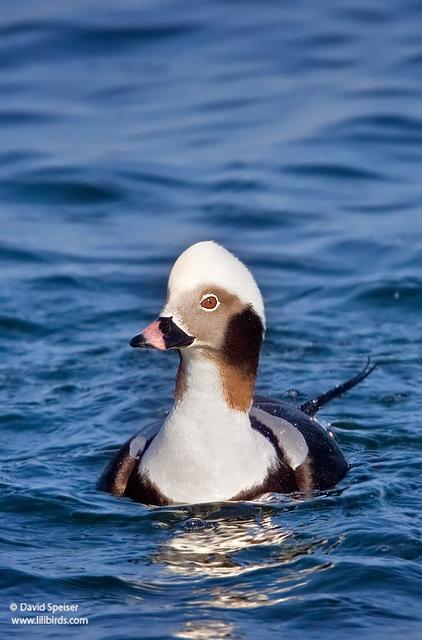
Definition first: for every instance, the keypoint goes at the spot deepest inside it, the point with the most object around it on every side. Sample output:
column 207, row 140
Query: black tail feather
column 312, row 406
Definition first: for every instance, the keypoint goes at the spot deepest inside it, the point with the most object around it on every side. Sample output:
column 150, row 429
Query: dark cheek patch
column 242, row 341
column 240, row 355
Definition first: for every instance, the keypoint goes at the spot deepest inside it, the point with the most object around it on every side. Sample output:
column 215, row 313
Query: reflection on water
column 215, row 550
column 207, row 630
column 241, row 541
column 248, row 595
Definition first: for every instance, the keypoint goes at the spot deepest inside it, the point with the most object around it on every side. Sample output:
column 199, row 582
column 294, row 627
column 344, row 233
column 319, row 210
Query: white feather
column 209, row 263
column 290, row 440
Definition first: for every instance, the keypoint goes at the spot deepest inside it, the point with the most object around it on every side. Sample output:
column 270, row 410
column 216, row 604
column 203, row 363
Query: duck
column 220, row 441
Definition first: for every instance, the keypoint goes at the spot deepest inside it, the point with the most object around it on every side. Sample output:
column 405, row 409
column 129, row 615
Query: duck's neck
column 214, row 384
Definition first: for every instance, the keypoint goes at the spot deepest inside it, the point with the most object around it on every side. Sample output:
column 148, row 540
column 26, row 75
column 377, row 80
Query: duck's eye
column 209, row 302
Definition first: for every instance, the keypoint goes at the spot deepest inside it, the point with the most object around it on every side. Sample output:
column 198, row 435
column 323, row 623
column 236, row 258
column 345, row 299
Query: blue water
column 292, row 133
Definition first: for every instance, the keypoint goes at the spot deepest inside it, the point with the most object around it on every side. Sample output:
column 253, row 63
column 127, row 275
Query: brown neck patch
column 181, row 383
column 238, row 388
column 240, row 356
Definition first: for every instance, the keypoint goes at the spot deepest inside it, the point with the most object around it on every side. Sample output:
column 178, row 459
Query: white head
column 213, row 309
column 206, row 263
column 210, row 294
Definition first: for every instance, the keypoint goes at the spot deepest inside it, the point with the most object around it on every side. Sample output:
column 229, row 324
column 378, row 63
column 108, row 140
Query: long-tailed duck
column 219, row 442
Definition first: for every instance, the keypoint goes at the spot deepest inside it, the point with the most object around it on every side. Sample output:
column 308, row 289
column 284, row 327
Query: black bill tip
column 138, row 341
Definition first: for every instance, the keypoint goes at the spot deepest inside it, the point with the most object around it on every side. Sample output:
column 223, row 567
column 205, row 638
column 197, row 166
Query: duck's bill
column 162, row 334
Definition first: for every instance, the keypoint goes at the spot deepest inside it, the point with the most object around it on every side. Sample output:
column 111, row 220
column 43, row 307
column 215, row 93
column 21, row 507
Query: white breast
column 206, row 452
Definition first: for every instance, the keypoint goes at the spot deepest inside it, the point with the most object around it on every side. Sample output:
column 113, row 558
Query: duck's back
column 307, row 447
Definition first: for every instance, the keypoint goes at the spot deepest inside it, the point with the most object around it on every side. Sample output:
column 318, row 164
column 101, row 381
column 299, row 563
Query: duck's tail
column 312, row 406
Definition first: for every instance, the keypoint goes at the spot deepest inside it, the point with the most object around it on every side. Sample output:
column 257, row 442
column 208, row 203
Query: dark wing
column 116, row 475
column 322, row 464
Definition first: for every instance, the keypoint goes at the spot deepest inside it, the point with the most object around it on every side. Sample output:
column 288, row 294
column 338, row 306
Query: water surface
column 292, row 133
